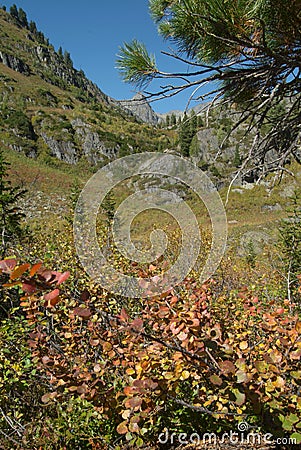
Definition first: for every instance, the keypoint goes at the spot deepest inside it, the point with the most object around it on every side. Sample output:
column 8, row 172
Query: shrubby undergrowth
column 84, row 369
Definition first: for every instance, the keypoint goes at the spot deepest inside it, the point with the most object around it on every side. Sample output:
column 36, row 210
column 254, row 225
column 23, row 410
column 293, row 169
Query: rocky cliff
column 141, row 108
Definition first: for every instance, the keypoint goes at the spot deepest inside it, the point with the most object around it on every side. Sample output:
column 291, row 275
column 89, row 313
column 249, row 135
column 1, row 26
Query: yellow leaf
column 243, row 345
column 185, row 374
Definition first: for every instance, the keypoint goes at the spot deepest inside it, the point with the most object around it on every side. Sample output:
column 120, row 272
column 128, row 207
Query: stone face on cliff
column 65, row 151
column 93, row 148
column 140, row 107
column 14, row 63
column 88, row 144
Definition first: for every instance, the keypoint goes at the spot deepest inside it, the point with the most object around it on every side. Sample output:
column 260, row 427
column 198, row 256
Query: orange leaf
column 9, row 285
column 298, row 327
column 35, row 268
column 134, row 402
column 128, row 390
column 122, row 428
column 18, row 272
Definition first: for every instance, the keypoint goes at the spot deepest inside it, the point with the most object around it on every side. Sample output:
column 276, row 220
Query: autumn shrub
column 187, row 361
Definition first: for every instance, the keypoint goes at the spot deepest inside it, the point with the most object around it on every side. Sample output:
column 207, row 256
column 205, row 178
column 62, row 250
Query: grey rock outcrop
column 86, row 143
column 140, row 107
column 14, row 63
column 65, row 151
column 93, row 148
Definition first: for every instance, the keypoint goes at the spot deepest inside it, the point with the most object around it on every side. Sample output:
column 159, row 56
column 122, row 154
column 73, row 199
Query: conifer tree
column 67, row 59
column 10, row 214
column 33, row 27
column 173, row 119
column 186, row 132
column 22, row 17
column 14, row 11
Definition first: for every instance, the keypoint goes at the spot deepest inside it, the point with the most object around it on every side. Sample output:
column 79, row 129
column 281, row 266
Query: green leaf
column 242, row 376
column 296, row 436
column 216, row 380
column 296, row 374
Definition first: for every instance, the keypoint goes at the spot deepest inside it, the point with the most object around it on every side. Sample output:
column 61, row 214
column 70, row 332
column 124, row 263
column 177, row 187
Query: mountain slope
column 49, row 109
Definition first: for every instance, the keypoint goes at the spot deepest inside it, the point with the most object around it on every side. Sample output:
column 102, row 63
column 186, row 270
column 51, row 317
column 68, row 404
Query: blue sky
column 92, row 32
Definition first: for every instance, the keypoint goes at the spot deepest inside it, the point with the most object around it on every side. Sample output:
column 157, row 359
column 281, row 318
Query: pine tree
column 10, row 215
column 200, row 122
column 193, row 122
column 109, row 206
column 237, row 158
column 67, row 59
column 173, row 120
column 14, row 11
column 22, row 18
column 32, row 27
column 185, row 135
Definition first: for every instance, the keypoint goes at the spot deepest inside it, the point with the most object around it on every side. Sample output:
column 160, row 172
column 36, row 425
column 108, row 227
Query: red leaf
column 81, row 389
column 47, row 397
column 46, row 275
column 227, row 367
column 51, row 295
column 85, row 295
column 8, row 265
column 46, row 360
column 134, row 402
column 63, row 277
column 137, row 324
column 52, row 298
column 29, row 287
column 85, row 313
column 123, row 315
